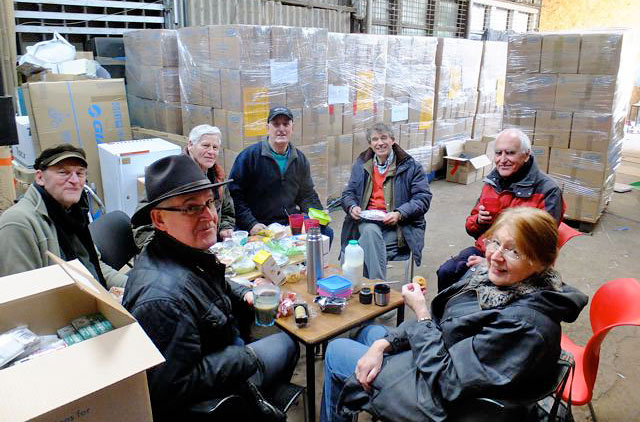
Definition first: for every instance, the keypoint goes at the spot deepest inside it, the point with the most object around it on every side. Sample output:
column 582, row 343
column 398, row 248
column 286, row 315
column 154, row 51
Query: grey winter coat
column 411, row 197
column 483, row 341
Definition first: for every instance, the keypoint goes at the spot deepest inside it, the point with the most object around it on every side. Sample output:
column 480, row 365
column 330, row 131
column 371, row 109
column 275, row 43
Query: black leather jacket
column 180, row 298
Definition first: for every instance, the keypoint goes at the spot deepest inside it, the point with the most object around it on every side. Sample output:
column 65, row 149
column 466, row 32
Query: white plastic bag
column 49, row 53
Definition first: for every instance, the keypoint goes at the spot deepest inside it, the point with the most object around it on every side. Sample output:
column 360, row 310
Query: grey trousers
column 380, row 244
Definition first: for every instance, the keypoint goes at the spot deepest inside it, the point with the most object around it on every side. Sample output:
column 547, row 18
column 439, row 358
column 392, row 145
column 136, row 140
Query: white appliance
column 121, row 163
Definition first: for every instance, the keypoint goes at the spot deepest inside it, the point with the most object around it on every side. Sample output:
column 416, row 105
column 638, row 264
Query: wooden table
column 324, row 327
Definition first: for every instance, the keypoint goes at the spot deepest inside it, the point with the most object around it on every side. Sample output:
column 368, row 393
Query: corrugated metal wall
column 260, row 12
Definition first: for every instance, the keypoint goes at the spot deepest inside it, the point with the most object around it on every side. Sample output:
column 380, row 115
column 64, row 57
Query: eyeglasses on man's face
column 492, row 246
column 191, row 210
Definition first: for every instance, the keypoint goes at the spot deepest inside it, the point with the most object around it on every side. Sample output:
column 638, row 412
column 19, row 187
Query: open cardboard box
column 471, row 168
column 100, row 379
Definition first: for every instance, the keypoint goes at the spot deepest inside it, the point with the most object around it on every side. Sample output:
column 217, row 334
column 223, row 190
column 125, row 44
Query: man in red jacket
column 515, row 182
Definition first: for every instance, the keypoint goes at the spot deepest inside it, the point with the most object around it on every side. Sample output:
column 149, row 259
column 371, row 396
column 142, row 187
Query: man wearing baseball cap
column 272, row 179
column 178, row 293
column 53, row 216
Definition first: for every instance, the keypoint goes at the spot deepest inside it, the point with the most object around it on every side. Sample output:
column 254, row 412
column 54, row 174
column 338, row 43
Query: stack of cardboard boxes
column 491, row 84
column 570, row 92
column 153, row 88
column 458, row 70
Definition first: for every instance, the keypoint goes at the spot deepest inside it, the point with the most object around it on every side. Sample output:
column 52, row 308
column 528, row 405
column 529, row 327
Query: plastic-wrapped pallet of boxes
column 230, row 75
column 570, row 91
column 458, row 71
column 410, row 94
column 491, row 84
column 153, row 88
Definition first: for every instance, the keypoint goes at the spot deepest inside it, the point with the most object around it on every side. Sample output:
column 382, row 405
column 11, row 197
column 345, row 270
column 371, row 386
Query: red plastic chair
column 615, row 303
column 566, row 233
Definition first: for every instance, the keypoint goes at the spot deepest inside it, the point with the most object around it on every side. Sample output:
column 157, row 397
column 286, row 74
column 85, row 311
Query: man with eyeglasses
column 515, row 182
column 272, row 179
column 386, row 179
column 53, row 215
column 178, row 293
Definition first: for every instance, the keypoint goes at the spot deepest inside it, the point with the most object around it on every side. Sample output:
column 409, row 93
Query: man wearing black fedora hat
column 272, row 179
column 53, row 216
column 178, row 294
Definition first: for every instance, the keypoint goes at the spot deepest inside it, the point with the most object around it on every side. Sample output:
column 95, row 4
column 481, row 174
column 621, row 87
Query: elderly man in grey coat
column 385, row 178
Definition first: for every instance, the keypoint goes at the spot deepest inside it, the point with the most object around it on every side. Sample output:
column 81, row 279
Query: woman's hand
column 475, row 260
column 368, row 366
column 414, row 298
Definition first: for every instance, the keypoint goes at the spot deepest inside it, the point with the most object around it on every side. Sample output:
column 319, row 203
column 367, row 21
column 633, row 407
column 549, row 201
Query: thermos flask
column 314, row 259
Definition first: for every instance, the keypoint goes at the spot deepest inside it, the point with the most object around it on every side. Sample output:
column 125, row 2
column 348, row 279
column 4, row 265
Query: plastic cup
column 239, row 237
column 492, row 205
column 310, row 223
column 295, row 222
column 266, row 298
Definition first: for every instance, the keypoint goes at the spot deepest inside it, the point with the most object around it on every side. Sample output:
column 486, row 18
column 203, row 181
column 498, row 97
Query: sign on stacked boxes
column 570, row 92
column 458, row 70
column 153, row 87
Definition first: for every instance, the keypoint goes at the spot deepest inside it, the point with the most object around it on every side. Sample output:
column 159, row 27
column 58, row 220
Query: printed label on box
column 500, row 92
column 338, row 94
column 284, row 72
column 256, row 110
column 400, row 112
column 455, row 82
column 426, row 113
column 364, row 91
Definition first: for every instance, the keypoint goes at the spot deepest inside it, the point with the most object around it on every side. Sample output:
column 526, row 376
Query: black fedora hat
column 168, row 177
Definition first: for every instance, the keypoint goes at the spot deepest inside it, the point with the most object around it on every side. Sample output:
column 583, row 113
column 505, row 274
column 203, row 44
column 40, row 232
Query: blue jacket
column 262, row 194
column 411, row 197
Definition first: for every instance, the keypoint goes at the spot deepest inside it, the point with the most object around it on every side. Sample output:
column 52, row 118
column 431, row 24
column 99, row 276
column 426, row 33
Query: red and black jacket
column 535, row 189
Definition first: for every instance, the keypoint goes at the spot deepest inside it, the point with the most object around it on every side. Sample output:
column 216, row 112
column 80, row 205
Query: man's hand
column 392, row 218
column 484, row 217
column 414, row 299
column 474, row 260
column 226, row 233
column 368, row 366
column 256, row 228
column 355, row 212
column 248, row 297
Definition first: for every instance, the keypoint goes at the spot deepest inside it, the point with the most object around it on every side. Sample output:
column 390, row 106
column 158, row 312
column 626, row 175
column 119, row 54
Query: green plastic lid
column 353, row 242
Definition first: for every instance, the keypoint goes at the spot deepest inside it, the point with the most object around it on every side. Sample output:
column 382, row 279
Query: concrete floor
column 610, row 251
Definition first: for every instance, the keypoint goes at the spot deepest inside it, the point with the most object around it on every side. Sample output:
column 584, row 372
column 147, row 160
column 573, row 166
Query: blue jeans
column 340, row 363
column 453, row 269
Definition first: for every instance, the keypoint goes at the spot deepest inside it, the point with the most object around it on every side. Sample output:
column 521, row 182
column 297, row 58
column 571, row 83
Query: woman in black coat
column 495, row 333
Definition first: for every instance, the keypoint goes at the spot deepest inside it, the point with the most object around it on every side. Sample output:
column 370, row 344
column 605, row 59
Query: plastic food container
column 319, row 215
column 334, row 286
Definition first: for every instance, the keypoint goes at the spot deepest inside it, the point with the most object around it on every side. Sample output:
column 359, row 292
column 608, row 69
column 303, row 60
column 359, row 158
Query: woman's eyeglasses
column 191, row 210
column 492, row 246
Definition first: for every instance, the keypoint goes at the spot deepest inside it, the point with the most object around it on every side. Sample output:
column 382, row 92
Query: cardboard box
column 24, row 152
column 523, row 54
column 584, row 207
column 359, row 144
column 335, row 119
column 541, row 157
column 194, row 115
column 464, row 164
column 523, row 119
column 152, row 47
column 594, row 93
column 78, row 67
column 240, row 46
column 100, row 379
column 153, row 82
column 143, row 133
column 552, row 128
column 601, row 53
column 486, row 124
column 229, row 159
column 531, row 90
column 560, row 53
column 595, row 131
column 582, row 168
column 82, row 113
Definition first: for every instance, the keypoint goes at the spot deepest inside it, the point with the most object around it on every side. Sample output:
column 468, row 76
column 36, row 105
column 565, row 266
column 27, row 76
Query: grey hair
column 525, row 142
column 380, row 128
column 199, row 131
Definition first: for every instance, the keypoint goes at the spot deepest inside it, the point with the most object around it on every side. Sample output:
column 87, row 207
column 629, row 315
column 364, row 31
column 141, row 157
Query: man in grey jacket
column 53, row 216
column 388, row 181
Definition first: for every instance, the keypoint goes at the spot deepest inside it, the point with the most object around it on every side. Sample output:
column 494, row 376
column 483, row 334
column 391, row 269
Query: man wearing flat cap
column 272, row 179
column 178, row 294
column 53, row 216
